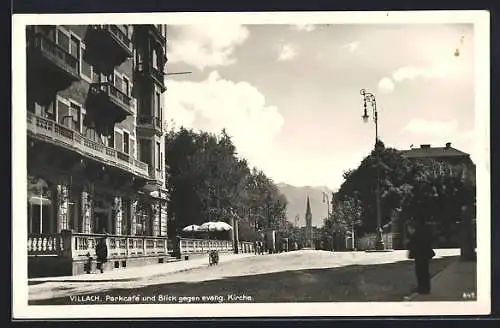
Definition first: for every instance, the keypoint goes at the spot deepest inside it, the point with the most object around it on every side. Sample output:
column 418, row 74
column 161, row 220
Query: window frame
column 123, row 77
column 80, row 118
column 67, row 33
column 125, row 131
column 157, row 148
column 63, row 100
column 89, row 79
column 79, row 57
column 134, row 144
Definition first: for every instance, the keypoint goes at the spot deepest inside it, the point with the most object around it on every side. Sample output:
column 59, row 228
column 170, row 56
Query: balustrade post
column 143, row 245
column 126, row 247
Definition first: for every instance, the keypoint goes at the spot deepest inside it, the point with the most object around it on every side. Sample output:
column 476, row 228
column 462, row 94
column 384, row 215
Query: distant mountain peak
column 297, row 202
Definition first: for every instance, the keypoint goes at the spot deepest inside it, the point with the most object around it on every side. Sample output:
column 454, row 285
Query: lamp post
column 327, row 201
column 369, row 99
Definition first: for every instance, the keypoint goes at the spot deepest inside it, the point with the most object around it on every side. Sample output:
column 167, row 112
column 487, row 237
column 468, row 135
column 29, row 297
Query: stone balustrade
column 80, row 245
column 200, row 246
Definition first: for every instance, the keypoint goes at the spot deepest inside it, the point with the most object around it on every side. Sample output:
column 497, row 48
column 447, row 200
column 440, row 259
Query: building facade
column 447, row 154
column 95, row 152
column 463, row 230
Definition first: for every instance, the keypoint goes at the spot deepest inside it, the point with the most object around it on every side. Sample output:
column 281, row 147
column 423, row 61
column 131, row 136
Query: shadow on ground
column 354, row 283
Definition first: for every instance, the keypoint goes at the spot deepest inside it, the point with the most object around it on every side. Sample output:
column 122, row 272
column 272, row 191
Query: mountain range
column 297, row 200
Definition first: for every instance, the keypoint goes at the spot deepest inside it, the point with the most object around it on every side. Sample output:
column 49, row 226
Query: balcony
column 157, row 33
column 109, row 45
column 159, row 77
column 150, row 123
column 109, row 103
column 147, row 72
column 48, row 59
column 51, row 131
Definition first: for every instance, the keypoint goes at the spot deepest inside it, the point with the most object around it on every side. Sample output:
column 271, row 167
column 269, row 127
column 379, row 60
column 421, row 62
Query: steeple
column 309, row 233
column 308, row 208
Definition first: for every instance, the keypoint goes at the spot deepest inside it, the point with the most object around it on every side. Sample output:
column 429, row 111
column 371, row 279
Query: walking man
column 101, row 251
column 420, row 249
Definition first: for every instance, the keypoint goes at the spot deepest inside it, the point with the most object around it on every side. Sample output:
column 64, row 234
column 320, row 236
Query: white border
column 480, row 19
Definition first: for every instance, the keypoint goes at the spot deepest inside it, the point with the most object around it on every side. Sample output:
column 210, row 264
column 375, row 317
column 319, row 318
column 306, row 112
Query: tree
column 208, row 181
column 343, row 220
column 433, row 189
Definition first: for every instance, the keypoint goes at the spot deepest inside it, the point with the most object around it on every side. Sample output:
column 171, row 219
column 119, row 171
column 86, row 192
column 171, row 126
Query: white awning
column 39, row 201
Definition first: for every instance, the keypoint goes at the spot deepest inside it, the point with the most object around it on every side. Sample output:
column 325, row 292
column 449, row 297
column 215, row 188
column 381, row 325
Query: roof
column 433, row 152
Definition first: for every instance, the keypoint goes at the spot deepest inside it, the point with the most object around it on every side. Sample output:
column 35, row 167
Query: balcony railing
column 113, row 94
column 120, row 37
column 80, row 245
column 158, row 75
column 48, row 129
column 57, row 55
column 150, row 121
column 156, row 29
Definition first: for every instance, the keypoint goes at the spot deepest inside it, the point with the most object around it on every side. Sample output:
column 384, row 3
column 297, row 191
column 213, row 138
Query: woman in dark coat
column 420, row 249
column 101, row 251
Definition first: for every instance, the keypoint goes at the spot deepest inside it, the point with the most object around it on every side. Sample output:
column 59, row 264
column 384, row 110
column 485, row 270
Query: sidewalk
column 141, row 271
column 455, row 283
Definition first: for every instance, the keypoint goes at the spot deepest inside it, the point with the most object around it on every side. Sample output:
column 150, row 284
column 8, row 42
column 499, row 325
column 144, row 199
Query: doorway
column 100, row 222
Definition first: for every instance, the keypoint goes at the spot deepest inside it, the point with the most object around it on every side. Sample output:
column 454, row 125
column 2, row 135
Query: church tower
column 309, row 232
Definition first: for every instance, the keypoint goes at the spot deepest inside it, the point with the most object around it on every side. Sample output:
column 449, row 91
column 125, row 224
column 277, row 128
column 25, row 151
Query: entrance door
column 100, row 222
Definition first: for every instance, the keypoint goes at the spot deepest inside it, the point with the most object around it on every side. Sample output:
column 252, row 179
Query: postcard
column 251, row 164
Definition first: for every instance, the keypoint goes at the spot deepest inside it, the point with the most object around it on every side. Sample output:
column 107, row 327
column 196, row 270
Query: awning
column 39, row 201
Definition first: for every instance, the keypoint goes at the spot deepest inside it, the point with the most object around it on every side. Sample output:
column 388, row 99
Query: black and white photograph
column 257, row 164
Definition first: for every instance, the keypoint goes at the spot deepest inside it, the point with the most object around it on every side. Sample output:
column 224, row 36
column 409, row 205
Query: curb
column 435, row 276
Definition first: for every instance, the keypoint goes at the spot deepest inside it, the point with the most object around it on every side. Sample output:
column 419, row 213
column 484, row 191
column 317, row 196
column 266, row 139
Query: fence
column 201, row 246
column 367, row 242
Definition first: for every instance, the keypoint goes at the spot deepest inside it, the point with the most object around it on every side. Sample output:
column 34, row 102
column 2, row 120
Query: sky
column 289, row 95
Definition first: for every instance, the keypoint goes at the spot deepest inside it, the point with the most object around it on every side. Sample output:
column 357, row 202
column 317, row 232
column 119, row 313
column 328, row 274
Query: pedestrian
column 420, row 250
column 101, row 250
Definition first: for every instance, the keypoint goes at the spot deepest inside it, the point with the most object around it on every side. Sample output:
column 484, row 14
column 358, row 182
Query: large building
column 465, row 227
column 446, row 153
column 95, row 151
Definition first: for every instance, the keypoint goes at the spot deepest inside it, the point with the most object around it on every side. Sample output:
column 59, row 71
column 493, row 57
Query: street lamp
column 369, row 99
column 327, row 201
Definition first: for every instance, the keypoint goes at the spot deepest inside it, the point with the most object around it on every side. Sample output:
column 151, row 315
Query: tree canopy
column 436, row 190
column 209, row 182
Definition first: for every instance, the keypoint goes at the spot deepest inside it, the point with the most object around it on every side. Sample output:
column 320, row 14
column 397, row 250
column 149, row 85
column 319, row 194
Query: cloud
column 425, row 127
column 205, row 46
column 352, row 46
column 412, row 72
column 287, row 52
column 303, row 27
column 217, row 103
column 386, row 85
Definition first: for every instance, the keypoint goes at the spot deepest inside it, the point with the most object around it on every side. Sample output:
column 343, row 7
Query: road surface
column 306, row 275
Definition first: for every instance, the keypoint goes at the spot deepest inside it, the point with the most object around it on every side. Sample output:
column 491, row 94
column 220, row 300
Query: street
column 300, row 276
